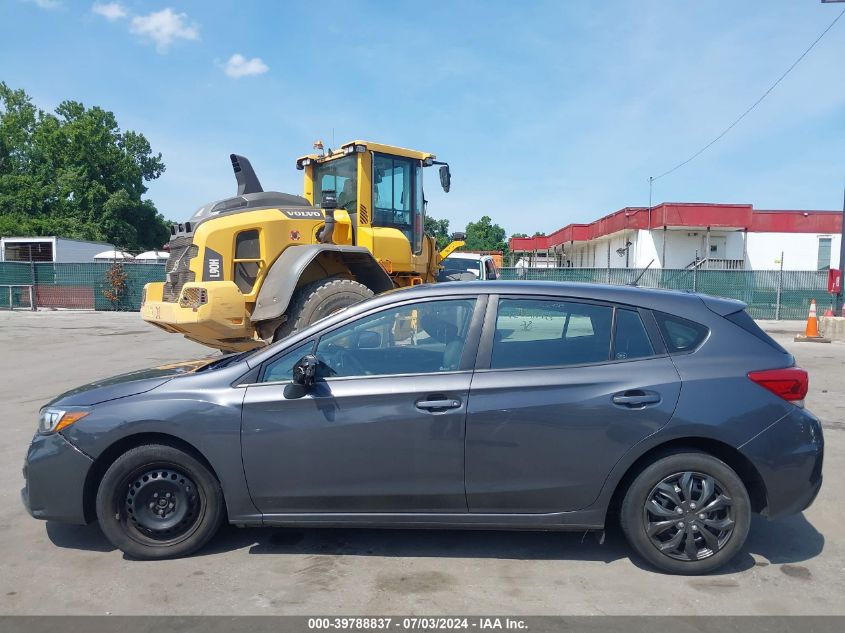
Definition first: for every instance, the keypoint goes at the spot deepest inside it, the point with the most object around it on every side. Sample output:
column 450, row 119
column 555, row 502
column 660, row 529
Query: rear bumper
column 54, row 480
column 789, row 457
column 222, row 318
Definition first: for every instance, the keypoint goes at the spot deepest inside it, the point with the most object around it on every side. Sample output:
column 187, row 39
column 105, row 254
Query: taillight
column 790, row 383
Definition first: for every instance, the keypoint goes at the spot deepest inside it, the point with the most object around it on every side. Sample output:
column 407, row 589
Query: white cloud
column 165, row 27
column 111, row 11
column 45, row 4
column 239, row 66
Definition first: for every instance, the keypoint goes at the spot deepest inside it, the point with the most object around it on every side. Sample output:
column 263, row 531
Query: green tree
column 520, row 235
column 485, row 236
column 439, row 230
column 74, row 173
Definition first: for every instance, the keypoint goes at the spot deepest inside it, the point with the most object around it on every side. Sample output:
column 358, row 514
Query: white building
column 49, row 249
column 682, row 235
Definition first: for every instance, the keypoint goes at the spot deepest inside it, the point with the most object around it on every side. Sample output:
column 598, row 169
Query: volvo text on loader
column 251, row 269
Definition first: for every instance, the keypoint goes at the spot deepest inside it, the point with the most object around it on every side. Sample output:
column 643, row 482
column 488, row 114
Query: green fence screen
column 94, row 286
column 770, row 294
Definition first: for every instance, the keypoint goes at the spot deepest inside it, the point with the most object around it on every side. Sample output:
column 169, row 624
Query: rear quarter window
column 680, row 335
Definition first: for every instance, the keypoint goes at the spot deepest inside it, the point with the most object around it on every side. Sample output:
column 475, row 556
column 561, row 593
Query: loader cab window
column 397, row 196
column 341, row 176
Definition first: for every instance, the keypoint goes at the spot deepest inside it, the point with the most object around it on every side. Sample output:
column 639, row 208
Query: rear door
column 563, row 389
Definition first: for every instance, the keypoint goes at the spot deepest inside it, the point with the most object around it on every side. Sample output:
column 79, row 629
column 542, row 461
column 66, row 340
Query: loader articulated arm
column 451, row 248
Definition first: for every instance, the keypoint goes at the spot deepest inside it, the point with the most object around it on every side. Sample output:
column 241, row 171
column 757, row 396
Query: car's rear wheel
column 156, row 501
column 687, row 513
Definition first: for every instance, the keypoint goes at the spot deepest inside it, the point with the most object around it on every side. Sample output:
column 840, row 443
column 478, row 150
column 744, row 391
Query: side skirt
column 563, row 521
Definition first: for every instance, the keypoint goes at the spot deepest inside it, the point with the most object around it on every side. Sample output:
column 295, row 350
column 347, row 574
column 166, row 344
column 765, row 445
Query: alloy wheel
column 688, row 516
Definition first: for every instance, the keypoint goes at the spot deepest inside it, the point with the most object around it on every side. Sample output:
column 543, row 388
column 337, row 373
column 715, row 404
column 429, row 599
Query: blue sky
column 548, row 112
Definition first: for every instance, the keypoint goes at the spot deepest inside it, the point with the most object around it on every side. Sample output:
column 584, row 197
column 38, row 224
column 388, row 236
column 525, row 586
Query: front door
column 562, row 401
column 383, row 431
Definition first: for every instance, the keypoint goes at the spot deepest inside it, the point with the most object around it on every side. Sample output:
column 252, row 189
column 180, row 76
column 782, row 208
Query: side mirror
column 445, row 178
column 369, row 340
column 304, row 374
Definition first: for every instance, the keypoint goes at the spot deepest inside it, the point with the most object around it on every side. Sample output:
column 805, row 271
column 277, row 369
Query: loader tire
column 318, row 300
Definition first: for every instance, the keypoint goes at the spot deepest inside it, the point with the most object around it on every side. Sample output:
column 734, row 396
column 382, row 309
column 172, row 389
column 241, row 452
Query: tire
column 651, row 504
column 318, row 300
column 153, row 480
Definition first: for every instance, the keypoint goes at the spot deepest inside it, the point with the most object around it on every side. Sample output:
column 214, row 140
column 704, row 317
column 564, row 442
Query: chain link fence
column 770, row 294
column 94, row 286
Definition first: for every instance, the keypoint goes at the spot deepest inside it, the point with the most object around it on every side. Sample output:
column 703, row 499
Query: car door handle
column 636, row 398
column 431, row 405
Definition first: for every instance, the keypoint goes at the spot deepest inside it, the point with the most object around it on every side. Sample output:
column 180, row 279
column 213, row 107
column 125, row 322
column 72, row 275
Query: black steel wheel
column 687, row 513
column 157, row 501
column 162, row 504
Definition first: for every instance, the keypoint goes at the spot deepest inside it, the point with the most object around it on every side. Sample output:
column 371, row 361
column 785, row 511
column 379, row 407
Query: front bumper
column 54, row 480
column 789, row 456
column 221, row 322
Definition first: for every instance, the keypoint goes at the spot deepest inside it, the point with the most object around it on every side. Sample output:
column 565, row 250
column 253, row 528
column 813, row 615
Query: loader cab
column 381, row 188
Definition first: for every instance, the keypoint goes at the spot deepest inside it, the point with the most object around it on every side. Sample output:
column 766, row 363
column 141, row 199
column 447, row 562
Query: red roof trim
column 688, row 214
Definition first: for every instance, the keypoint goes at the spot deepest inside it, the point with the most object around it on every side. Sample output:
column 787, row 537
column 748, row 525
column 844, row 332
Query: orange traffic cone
column 811, row 332
column 828, row 312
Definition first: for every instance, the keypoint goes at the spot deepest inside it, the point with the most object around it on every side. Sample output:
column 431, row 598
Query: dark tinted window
column 631, row 337
column 412, row 339
column 247, row 247
column 541, row 333
column 281, row 367
column 680, row 334
column 743, row 320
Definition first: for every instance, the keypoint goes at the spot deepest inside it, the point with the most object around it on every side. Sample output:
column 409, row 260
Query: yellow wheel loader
column 251, row 269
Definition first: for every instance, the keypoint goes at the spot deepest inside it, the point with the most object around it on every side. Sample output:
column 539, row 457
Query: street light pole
column 839, row 297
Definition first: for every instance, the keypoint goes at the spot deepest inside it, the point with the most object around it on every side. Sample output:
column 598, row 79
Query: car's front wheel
column 687, row 513
column 156, row 501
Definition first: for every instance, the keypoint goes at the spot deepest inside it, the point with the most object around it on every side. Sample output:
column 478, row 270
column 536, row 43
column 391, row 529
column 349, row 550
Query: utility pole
column 839, row 297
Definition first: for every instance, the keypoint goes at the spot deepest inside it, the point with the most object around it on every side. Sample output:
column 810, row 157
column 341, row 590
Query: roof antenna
column 245, row 175
column 640, row 276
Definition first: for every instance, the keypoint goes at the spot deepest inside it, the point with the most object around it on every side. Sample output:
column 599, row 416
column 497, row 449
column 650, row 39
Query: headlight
column 53, row 420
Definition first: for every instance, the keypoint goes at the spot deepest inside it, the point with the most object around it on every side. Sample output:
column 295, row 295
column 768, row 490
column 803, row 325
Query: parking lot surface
column 790, row 566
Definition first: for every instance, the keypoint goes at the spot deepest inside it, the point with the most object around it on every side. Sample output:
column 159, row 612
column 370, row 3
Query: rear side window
column 543, row 333
column 631, row 339
column 680, row 334
column 744, row 320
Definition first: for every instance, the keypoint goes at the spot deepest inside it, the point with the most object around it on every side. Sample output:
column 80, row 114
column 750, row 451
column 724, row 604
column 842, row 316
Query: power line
column 753, row 105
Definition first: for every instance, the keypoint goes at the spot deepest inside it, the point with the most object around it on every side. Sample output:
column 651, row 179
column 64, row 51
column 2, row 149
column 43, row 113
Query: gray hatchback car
column 490, row 405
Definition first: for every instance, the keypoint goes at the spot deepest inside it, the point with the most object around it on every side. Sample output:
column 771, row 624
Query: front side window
column 548, row 333
column 411, row 339
column 396, row 203
column 341, row 176
column 281, row 368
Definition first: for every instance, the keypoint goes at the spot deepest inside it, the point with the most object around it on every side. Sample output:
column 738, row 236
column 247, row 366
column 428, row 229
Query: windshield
column 460, row 265
column 339, row 175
